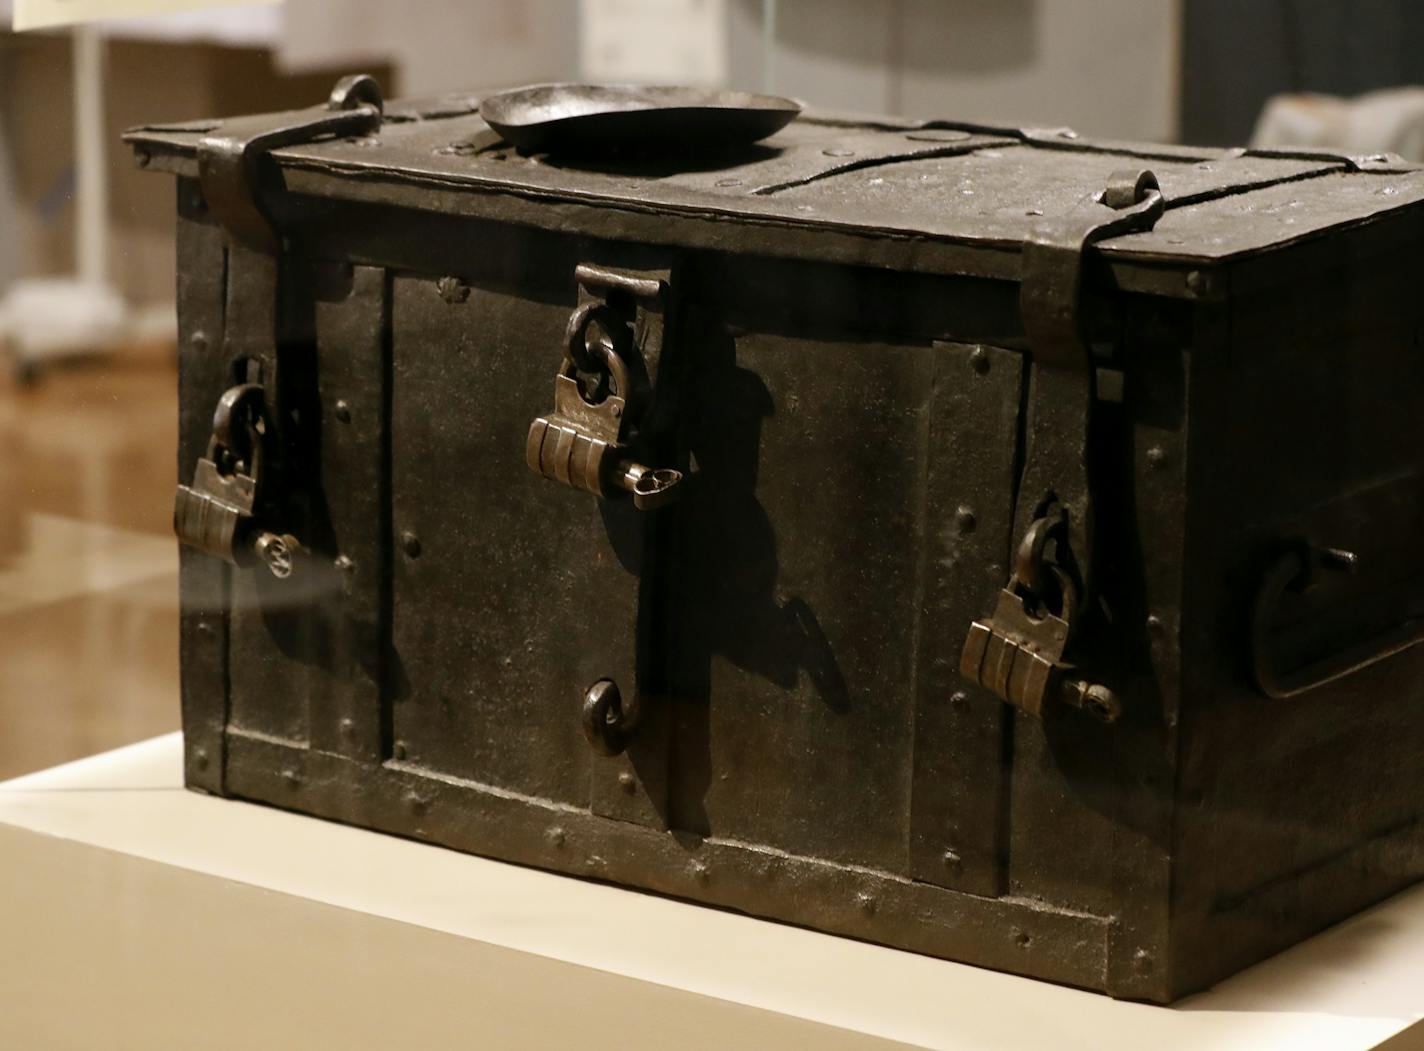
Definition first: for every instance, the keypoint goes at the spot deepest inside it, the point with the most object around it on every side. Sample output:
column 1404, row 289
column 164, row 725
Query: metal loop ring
column 587, row 358
column 1036, row 576
column 359, row 89
column 1128, row 187
column 598, row 357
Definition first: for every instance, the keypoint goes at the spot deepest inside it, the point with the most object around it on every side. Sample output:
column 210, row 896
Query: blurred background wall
column 146, row 80
column 1105, row 67
column 435, row 46
column 1237, row 55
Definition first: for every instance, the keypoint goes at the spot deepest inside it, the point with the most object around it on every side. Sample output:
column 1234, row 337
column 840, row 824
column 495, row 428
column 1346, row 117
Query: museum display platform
column 137, row 915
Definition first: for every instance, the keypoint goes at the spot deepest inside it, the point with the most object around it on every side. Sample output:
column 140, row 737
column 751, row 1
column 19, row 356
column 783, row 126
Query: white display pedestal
column 136, row 915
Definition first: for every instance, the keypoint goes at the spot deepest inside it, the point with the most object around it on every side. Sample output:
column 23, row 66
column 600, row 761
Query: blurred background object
column 88, row 401
column 1235, row 56
column 1104, row 67
column 1389, row 121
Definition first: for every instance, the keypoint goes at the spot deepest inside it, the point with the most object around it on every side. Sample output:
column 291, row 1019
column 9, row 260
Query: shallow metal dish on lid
column 553, row 117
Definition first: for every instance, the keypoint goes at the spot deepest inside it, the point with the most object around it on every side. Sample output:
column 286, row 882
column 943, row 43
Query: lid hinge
column 230, row 157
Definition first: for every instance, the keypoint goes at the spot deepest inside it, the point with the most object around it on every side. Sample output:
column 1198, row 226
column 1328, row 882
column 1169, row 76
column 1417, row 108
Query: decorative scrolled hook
column 607, row 725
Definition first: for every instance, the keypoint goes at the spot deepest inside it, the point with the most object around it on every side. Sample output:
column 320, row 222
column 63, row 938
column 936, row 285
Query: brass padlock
column 583, row 442
column 1018, row 652
column 217, row 514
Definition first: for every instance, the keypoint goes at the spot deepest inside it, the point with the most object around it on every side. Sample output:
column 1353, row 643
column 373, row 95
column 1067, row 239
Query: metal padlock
column 1020, row 658
column 217, row 514
column 1018, row 652
column 582, row 443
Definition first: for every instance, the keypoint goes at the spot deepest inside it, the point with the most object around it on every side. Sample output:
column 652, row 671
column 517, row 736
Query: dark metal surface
column 600, row 118
column 204, row 591
column 878, row 385
column 960, row 800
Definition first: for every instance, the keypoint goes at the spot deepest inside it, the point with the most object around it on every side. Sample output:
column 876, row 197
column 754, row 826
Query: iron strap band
column 1061, row 378
column 1021, row 652
column 255, row 315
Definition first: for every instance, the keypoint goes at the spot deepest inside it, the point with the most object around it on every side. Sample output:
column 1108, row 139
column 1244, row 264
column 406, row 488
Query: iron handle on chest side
column 1021, row 651
column 1297, row 569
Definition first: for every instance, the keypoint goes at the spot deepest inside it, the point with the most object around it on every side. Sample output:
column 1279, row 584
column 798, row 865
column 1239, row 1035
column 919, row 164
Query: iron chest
column 984, row 541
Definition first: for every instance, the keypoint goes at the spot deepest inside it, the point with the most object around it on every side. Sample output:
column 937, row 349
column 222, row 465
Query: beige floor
column 88, row 570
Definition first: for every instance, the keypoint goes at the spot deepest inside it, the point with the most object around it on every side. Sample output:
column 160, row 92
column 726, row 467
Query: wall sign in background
column 653, row 41
column 38, row 14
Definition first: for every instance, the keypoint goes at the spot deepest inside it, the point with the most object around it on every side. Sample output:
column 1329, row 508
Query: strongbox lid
column 937, row 196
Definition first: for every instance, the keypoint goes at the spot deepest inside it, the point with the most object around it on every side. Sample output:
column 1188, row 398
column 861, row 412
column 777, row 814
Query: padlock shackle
column 238, row 402
column 577, row 348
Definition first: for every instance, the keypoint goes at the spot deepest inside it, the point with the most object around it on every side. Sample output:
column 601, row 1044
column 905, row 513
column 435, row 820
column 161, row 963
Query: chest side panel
column 511, row 594
column 808, row 673
column 1299, row 810
column 799, row 592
